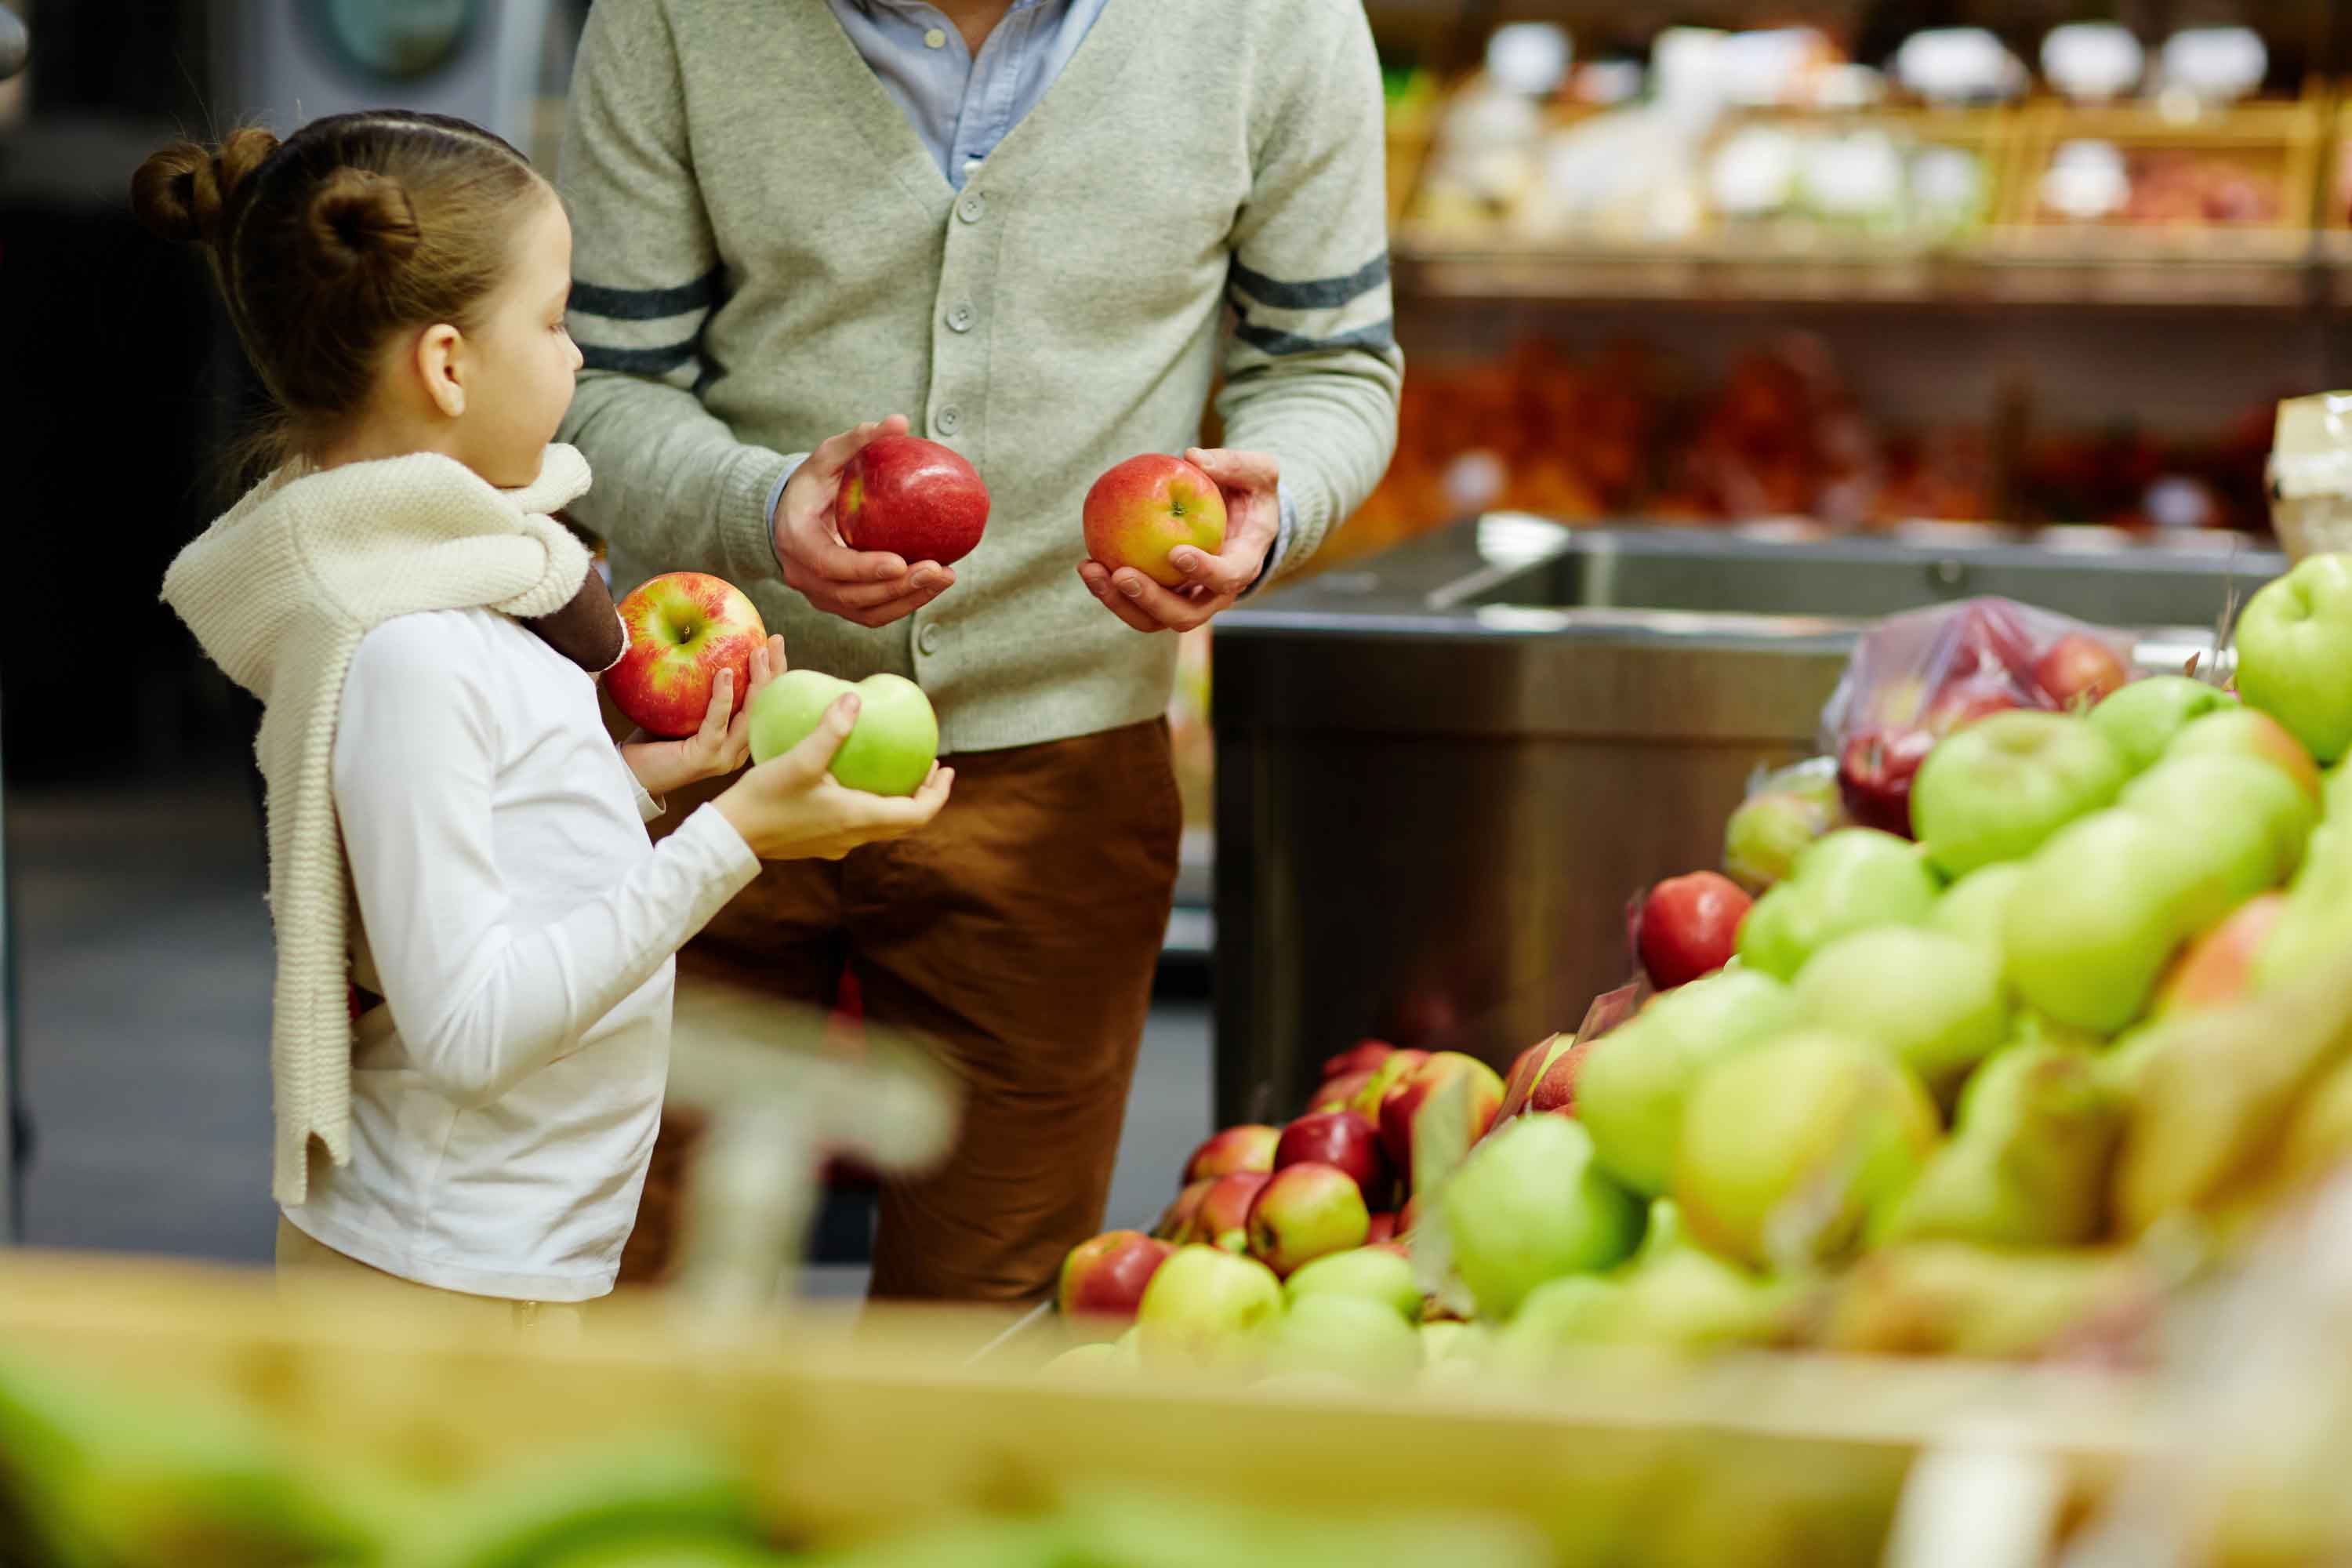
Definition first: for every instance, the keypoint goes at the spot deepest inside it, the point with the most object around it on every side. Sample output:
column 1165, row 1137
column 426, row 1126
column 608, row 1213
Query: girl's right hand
column 791, row 808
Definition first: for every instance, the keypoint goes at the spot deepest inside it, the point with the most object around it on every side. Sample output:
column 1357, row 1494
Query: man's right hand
column 871, row 587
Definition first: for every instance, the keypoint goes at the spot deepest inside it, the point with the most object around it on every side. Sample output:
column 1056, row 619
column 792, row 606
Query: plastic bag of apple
column 1937, row 1096
column 1913, row 679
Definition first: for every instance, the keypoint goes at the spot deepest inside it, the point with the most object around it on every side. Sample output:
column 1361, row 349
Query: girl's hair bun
column 184, row 192
column 360, row 221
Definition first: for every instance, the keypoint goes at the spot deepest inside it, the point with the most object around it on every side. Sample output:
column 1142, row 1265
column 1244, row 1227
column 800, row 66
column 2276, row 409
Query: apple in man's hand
column 910, row 497
column 1146, row 506
column 890, row 749
column 684, row 628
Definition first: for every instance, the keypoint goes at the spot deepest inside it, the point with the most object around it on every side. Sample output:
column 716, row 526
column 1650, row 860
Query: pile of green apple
column 1935, row 1100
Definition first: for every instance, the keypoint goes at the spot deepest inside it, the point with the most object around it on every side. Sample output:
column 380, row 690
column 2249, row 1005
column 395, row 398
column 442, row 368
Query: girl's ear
column 441, row 364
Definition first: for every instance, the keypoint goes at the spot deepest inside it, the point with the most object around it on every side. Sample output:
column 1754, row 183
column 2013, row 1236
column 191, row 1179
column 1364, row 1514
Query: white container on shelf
column 2311, row 474
column 2093, row 62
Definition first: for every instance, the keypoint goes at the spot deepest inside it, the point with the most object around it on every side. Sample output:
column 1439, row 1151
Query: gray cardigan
column 764, row 255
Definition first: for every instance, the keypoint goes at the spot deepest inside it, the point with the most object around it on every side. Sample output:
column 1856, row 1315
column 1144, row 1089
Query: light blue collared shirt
column 962, row 105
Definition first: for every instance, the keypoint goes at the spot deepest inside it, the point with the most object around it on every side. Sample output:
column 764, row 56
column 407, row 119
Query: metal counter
column 1441, row 773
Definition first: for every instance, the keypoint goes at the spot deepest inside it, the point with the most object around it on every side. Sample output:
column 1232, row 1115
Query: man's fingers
column 833, row 453
column 1098, row 581
column 924, row 577
column 824, row 561
column 890, row 610
column 1164, row 609
column 1214, row 573
column 1235, row 470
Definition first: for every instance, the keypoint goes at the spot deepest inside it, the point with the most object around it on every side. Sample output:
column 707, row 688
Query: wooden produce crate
column 2275, row 148
column 854, row 1435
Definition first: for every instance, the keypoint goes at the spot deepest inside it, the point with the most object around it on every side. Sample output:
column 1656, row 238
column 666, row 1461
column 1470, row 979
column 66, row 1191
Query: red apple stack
column 1223, row 1218
column 684, row 628
column 1145, row 506
column 1403, row 1102
column 1543, row 1078
column 1304, row 1213
column 1236, row 1149
column 1104, row 1278
column 1343, row 1139
column 914, row 498
column 1690, row 927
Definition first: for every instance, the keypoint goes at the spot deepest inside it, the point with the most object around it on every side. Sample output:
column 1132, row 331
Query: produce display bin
column 1442, row 772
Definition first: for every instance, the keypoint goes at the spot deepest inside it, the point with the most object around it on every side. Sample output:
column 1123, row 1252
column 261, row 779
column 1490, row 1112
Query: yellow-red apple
column 1145, row 506
column 1404, row 1098
column 1104, row 1277
column 1246, row 1148
column 684, row 628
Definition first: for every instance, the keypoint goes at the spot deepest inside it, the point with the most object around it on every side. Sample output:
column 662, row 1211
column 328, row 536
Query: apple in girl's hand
column 2250, row 732
column 1690, row 927
column 1105, row 1278
column 1365, row 1101
column 684, row 628
column 1306, row 1212
column 1246, row 1148
column 911, row 498
column 2294, row 648
column 1223, row 1218
column 1340, row 1138
column 1364, row 1055
column 1176, row 1225
column 1145, row 506
column 891, row 748
column 1996, row 790
column 1208, row 1307
column 2079, row 670
column 2142, row 718
column 1405, row 1098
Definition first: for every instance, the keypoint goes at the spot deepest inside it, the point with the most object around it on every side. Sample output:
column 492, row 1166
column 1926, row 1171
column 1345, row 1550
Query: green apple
column 2103, row 907
column 2030, row 1160
column 1997, row 789
column 1629, row 1093
column 1369, row 1274
column 1853, row 879
column 2242, row 732
column 1767, row 835
column 2141, row 720
column 2294, row 654
column 1446, row 1339
column 1085, row 1362
column 1365, row 1342
column 1208, row 1307
column 2315, row 929
column 1972, row 908
column 890, row 751
column 1936, row 1002
column 1580, row 1309
column 1793, row 1152
column 2335, row 793
column 2247, row 816
column 1530, row 1204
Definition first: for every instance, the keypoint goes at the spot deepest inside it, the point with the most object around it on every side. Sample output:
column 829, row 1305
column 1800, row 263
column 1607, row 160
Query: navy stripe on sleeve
column 645, row 304
column 639, row 361
column 1316, row 293
column 1380, row 337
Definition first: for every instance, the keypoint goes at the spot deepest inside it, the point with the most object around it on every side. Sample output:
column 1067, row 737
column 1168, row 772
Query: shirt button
column 960, row 318
column 935, row 39
column 973, row 205
column 947, row 419
column 929, row 639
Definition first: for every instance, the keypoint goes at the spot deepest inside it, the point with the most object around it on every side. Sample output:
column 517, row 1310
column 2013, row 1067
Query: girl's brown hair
column 327, row 244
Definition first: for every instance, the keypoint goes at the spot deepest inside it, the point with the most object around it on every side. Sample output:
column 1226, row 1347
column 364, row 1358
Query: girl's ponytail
column 359, row 228
column 184, row 192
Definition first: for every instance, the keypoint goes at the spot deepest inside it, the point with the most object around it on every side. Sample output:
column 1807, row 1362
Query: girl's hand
column 720, row 746
column 791, row 808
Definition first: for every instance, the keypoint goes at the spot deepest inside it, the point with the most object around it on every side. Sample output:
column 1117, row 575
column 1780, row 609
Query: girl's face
column 520, row 381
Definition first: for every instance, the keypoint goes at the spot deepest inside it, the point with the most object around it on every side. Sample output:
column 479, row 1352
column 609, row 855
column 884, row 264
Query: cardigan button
column 960, row 318
column 947, row 420
column 929, row 640
column 974, row 206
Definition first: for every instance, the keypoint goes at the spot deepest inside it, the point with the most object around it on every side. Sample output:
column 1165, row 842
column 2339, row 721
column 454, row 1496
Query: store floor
column 143, row 972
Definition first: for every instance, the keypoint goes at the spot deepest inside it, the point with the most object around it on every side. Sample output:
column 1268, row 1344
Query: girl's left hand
column 723, row 744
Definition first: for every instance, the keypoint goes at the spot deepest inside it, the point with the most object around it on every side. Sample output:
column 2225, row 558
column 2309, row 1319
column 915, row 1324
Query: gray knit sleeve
column 1313, row 369
column 674, row 488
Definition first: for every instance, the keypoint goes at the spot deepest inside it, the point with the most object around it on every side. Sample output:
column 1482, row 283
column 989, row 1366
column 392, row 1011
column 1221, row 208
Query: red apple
column 1304, row 1213
column 2216, row 968
column 1145, row 506
column 1248, row 1148
column 1690, row 927
column 1956, row 707
column 1555, row 1089
column 1404, row 1098
column 1364, row 1055
column 1408, row 1217
column 1176, row 1224
column 1105, row 1277
column 914, row 498
column 1875, row 777
column 1520, row 1081
column 684, row 628
column 1365, row 1101
column 1390, row 1244
column 1223, row 1218
column 1340, row 1138
column 1337, row 1093
column 1381, row 1229
column 1989, row 638
column 2079, row 670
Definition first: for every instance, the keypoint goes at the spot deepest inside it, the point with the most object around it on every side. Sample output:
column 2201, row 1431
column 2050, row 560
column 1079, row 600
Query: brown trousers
column 1019, row 931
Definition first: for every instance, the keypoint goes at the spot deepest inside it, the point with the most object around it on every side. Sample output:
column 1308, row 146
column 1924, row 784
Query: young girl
column 475, row 930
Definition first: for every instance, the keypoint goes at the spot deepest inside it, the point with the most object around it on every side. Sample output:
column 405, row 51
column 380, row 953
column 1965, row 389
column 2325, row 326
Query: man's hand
column 871, row 587
column 1252, row 519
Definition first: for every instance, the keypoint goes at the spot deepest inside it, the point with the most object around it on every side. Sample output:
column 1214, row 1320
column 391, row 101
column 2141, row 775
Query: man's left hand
column 1212, row 582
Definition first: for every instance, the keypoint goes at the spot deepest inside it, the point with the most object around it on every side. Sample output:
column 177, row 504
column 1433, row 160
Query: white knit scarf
column 280, row 590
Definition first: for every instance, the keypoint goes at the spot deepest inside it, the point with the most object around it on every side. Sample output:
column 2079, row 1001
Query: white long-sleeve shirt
column 520, row 925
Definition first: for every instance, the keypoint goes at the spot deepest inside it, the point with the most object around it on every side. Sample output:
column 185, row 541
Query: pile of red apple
column 1923, row 1094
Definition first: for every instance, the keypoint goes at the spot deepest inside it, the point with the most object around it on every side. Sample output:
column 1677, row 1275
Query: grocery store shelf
column 2250, row 280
